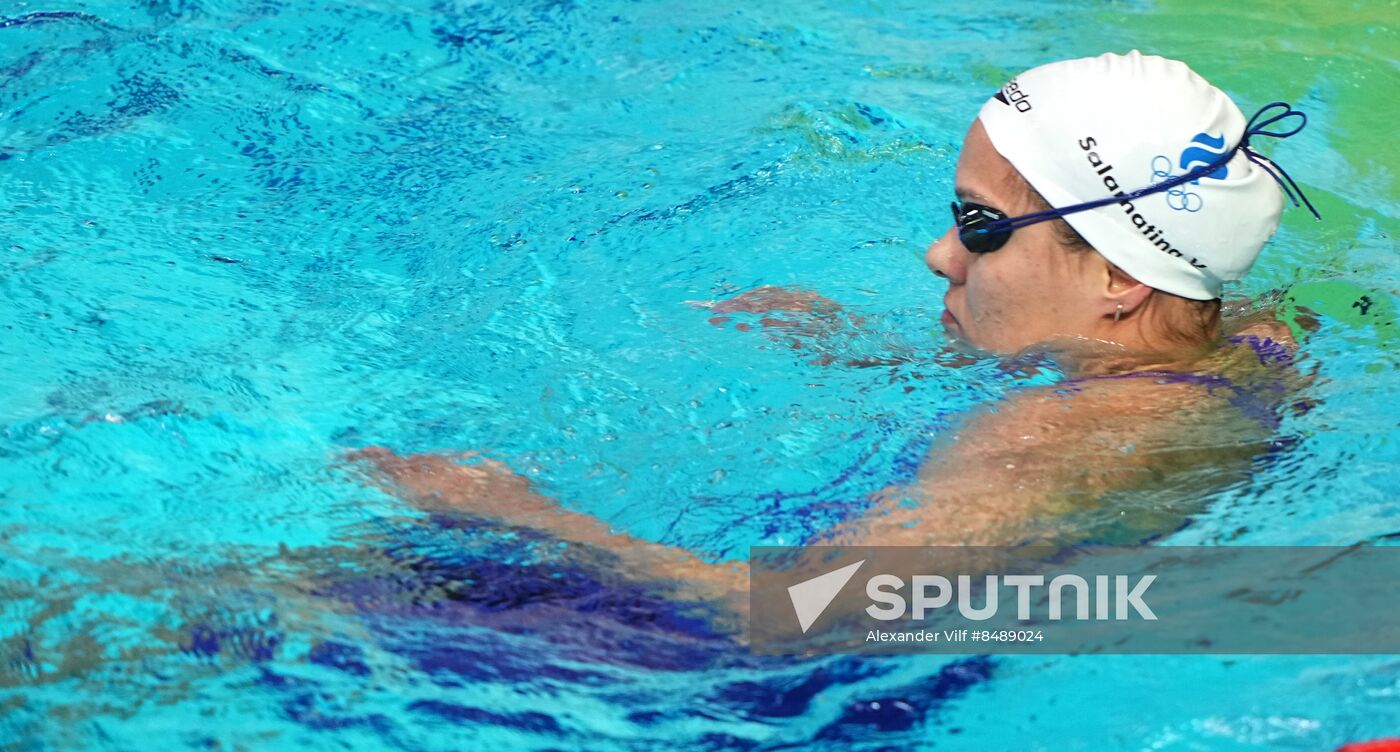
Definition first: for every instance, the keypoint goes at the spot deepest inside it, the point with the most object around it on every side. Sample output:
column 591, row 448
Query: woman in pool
column 1102, row 204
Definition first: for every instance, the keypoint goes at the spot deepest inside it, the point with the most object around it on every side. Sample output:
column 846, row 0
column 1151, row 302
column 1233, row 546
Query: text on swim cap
column 1012, row 95
column 1149, row 230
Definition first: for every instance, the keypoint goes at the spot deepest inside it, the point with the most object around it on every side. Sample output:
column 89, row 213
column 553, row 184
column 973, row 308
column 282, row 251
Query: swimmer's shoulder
column 1260, row 357
column 1263, row 334
column 1080, row 437
column 1097, row 411
column 1271, row 330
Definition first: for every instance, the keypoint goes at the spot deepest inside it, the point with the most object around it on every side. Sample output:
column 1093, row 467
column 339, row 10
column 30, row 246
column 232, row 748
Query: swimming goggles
column 983, row 229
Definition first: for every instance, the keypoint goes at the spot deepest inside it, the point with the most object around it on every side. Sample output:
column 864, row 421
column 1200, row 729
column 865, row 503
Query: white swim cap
column 1093, row 128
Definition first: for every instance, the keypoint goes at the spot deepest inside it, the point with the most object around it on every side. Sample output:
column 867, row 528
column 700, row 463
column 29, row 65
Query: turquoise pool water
column 239, row 239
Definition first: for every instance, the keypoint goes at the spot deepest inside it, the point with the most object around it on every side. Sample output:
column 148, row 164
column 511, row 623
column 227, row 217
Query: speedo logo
column 1148, row 230
column 1012, row 96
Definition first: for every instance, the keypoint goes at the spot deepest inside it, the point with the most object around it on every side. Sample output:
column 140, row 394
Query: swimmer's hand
column 806, row 321
column 442, row 482
column 771, row 300
column 492, row 491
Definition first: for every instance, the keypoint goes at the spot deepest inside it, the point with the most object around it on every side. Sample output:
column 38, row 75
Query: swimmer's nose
column 948, row 258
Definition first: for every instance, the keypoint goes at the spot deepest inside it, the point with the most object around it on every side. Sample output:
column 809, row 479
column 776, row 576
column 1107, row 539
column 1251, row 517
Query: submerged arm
column 492, row 491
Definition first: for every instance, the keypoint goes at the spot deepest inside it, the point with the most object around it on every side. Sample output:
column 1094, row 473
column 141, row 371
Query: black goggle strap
column 1290, row 188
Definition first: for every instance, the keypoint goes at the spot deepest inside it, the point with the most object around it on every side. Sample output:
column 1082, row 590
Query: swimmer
column 1101, row 206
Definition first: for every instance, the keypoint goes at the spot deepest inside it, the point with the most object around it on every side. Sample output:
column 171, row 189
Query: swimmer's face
column 1029, row 291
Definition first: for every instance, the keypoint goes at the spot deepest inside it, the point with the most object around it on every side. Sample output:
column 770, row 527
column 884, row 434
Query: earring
column 1118, row 314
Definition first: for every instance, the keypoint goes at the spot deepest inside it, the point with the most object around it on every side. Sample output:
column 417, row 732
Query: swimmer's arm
column 1010, row 475
column 490, row 490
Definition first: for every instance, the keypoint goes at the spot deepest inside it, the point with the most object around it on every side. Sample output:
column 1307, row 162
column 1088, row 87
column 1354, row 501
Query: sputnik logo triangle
column 811, row 597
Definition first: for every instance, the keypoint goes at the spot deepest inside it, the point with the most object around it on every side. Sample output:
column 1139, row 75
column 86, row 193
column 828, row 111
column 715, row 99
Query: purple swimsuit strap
column 1261, row 405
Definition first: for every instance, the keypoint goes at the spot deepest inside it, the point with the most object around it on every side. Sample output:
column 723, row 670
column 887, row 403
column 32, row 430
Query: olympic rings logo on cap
column 1177, row 198
column 1203, row 151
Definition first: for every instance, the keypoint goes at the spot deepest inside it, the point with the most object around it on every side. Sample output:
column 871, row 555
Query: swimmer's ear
column 1121, row 289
